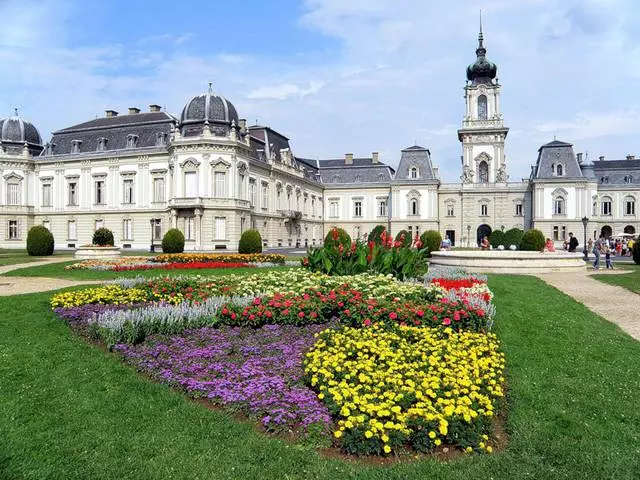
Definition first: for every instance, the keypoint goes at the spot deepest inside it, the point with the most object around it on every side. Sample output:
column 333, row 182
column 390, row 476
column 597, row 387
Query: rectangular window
column 190, row 185
column 46, row 224
column 46, row 195
column 127, row 229
column 13, row 194
column 13, row 230
column 73, row 193
column 156, row 232
column 382, row 208
column 410, row 230
column 189, row 231
column 518, row 209
column 220, row 184
column 265, row 196
column 252, row 193
column 333, row 209
column 357, row 208
column 127, row 187
column 279, row 200
column 629, row 207
column 556, row 233
column 158, row 190
column 606, row 207
column 450, row 211
column 71, row 230
column 484, row 210
column 563, row 233
column 99, row 192
column 221, row 228
column 98, row 224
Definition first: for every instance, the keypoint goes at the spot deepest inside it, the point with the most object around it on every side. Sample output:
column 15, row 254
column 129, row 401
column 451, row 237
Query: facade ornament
column 467, row 174
column 234, row 130
column 501, row 174
column 25, row 150
column 206, row 130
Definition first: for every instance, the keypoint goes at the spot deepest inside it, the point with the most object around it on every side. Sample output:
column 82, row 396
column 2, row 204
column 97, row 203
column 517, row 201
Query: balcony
column 291, row 215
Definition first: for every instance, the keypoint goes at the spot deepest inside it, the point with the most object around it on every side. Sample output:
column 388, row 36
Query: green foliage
column 404, row 237
column 513, row 236
column 497, row 238
column 39, row 241
column 636, row 251
column 533, row 240
column 374, row 236
column 337, row 236
column 103, row 237
column 431, row 241
column 250, row 242
column 173, row 241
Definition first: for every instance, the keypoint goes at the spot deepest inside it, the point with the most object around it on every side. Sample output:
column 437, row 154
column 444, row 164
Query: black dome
column 482, row 70
column 209, row 107
column 17, row 130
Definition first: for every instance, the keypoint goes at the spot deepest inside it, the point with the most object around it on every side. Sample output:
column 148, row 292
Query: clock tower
column 483, row 132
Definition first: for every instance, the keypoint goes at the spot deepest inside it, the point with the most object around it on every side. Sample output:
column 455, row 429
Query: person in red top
column 548, row 246
column 484, row 245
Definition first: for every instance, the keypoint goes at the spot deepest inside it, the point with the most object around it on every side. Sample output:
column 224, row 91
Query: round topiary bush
column 337, row 236
column 533, row 240
column 39, row 241
column 497, row 237
column 635, row 251
column 513, row 236
column 375, row 234
column 431, row 241
column 250, row 242
column 404, row 237
column 173, row 241
column 103, row 237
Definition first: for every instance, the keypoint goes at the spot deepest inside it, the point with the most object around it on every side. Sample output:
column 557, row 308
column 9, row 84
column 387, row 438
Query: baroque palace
column 212, row 176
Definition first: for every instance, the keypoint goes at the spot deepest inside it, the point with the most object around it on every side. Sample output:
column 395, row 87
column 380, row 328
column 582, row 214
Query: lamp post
column 152, row 249
column 585, row 221
column 468, row 235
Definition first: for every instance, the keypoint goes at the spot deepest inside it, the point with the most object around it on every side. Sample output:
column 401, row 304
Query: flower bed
column 220, row 257
column 405, row 366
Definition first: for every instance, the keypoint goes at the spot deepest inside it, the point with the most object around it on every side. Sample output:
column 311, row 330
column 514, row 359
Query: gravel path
column 19, row 285
column 613, row 303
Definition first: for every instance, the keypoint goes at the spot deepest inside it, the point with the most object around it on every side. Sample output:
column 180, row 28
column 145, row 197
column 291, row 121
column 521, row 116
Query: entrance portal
column 484, row 230
column 452, row 236
column 606, row 231
column 630, row 229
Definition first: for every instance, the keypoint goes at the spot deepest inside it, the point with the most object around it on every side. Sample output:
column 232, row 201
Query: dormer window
column 161, row 139
column 132, row 141
column 413, row 172
column 102, row 144
column 559, row 170
column 75, row 146
column 358, row 179
column 628, row 179
column 604, row 179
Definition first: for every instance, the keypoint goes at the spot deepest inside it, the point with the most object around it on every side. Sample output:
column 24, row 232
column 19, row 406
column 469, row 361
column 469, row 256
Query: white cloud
column 285, row 91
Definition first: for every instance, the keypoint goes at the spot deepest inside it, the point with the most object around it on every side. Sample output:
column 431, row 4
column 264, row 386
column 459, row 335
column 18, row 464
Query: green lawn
column 56, row 270
column 14, row 257
column 630, row 281
column 69, row 410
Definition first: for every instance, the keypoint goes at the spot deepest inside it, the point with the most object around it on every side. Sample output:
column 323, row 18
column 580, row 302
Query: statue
column 467, row 174
column 501, row 174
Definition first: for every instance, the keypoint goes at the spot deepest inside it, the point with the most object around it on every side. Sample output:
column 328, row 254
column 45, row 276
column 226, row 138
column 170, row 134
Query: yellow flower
column 368, row 434
column 387, row 449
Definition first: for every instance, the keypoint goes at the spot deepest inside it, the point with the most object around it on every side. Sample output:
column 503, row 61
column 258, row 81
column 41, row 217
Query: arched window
column 558, row 206
column 413, row 206
column 605, row 206
column 482, row 107
column 629, row 206
column 559, row 171
column 483, row 172
column 413, row 172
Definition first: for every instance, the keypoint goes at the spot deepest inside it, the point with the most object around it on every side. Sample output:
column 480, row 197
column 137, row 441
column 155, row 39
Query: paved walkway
column 20, row 285
column 613, row 303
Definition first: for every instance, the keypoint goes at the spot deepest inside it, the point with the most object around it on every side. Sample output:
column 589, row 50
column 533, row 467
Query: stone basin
column 508, row 261
column 87, row 252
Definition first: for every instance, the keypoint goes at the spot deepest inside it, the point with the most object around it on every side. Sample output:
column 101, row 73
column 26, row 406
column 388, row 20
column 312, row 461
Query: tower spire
column 480, row 36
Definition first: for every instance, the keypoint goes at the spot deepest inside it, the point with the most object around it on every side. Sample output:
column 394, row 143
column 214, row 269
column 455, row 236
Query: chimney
column 601, row 158
column 133, row 110
column 631, row 157
column 111, row 113
column 375, row 157
column 155, row 108
column 579, row 157
column 348, row 158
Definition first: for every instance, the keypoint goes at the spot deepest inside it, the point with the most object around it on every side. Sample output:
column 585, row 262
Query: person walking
column 596, row 251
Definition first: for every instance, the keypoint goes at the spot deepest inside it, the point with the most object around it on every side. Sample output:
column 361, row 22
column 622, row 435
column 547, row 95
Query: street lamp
column 585, row 221
column 468, row 235
column 152, row 249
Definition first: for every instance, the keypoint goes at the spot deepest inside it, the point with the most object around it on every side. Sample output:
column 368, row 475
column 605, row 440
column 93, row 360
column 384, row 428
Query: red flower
column 252, row 317
column 334, row 233
column 393, row 315
column 313, row 315
column 367, row 322
column 301, row 315
column 340, row 248
column 256, row 301
column 446, row 321
column 285, row 311
column 268, row 314
column 225, row 311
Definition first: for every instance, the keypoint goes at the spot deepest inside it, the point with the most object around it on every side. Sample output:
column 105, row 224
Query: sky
column 336, row 76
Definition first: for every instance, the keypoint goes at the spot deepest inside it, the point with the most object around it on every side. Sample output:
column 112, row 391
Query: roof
column 617, row 172
column 349, row 174
column 415, row 157
column 553, row 155
column 120, row 120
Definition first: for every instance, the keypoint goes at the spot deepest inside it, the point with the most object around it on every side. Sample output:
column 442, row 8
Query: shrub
column 39, row 241
column 337, row 236
column 496, row 238
column 532, row 240
column 431, row 241
column 173, row 241
column 374, row 236
column 636, row 251
column 103, row 237
column 404, row 237
column 250, row 242
column 513, row 236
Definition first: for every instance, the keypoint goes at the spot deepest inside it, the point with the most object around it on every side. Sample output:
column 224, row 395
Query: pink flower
column 393, row 315
column 446, row 321
column 301, row 314
column 367, row 322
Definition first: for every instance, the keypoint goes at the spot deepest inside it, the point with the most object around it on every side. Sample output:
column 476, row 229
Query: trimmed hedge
column 375, row 234
column 636, row 251
column 431, row 241
column 497, row 238
column 250, row 242
column 39, row 241
column 343, row 238
column 103, row 237
column 406, row 239
column 513, row 236
column 533, row 240
column 173, row 241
